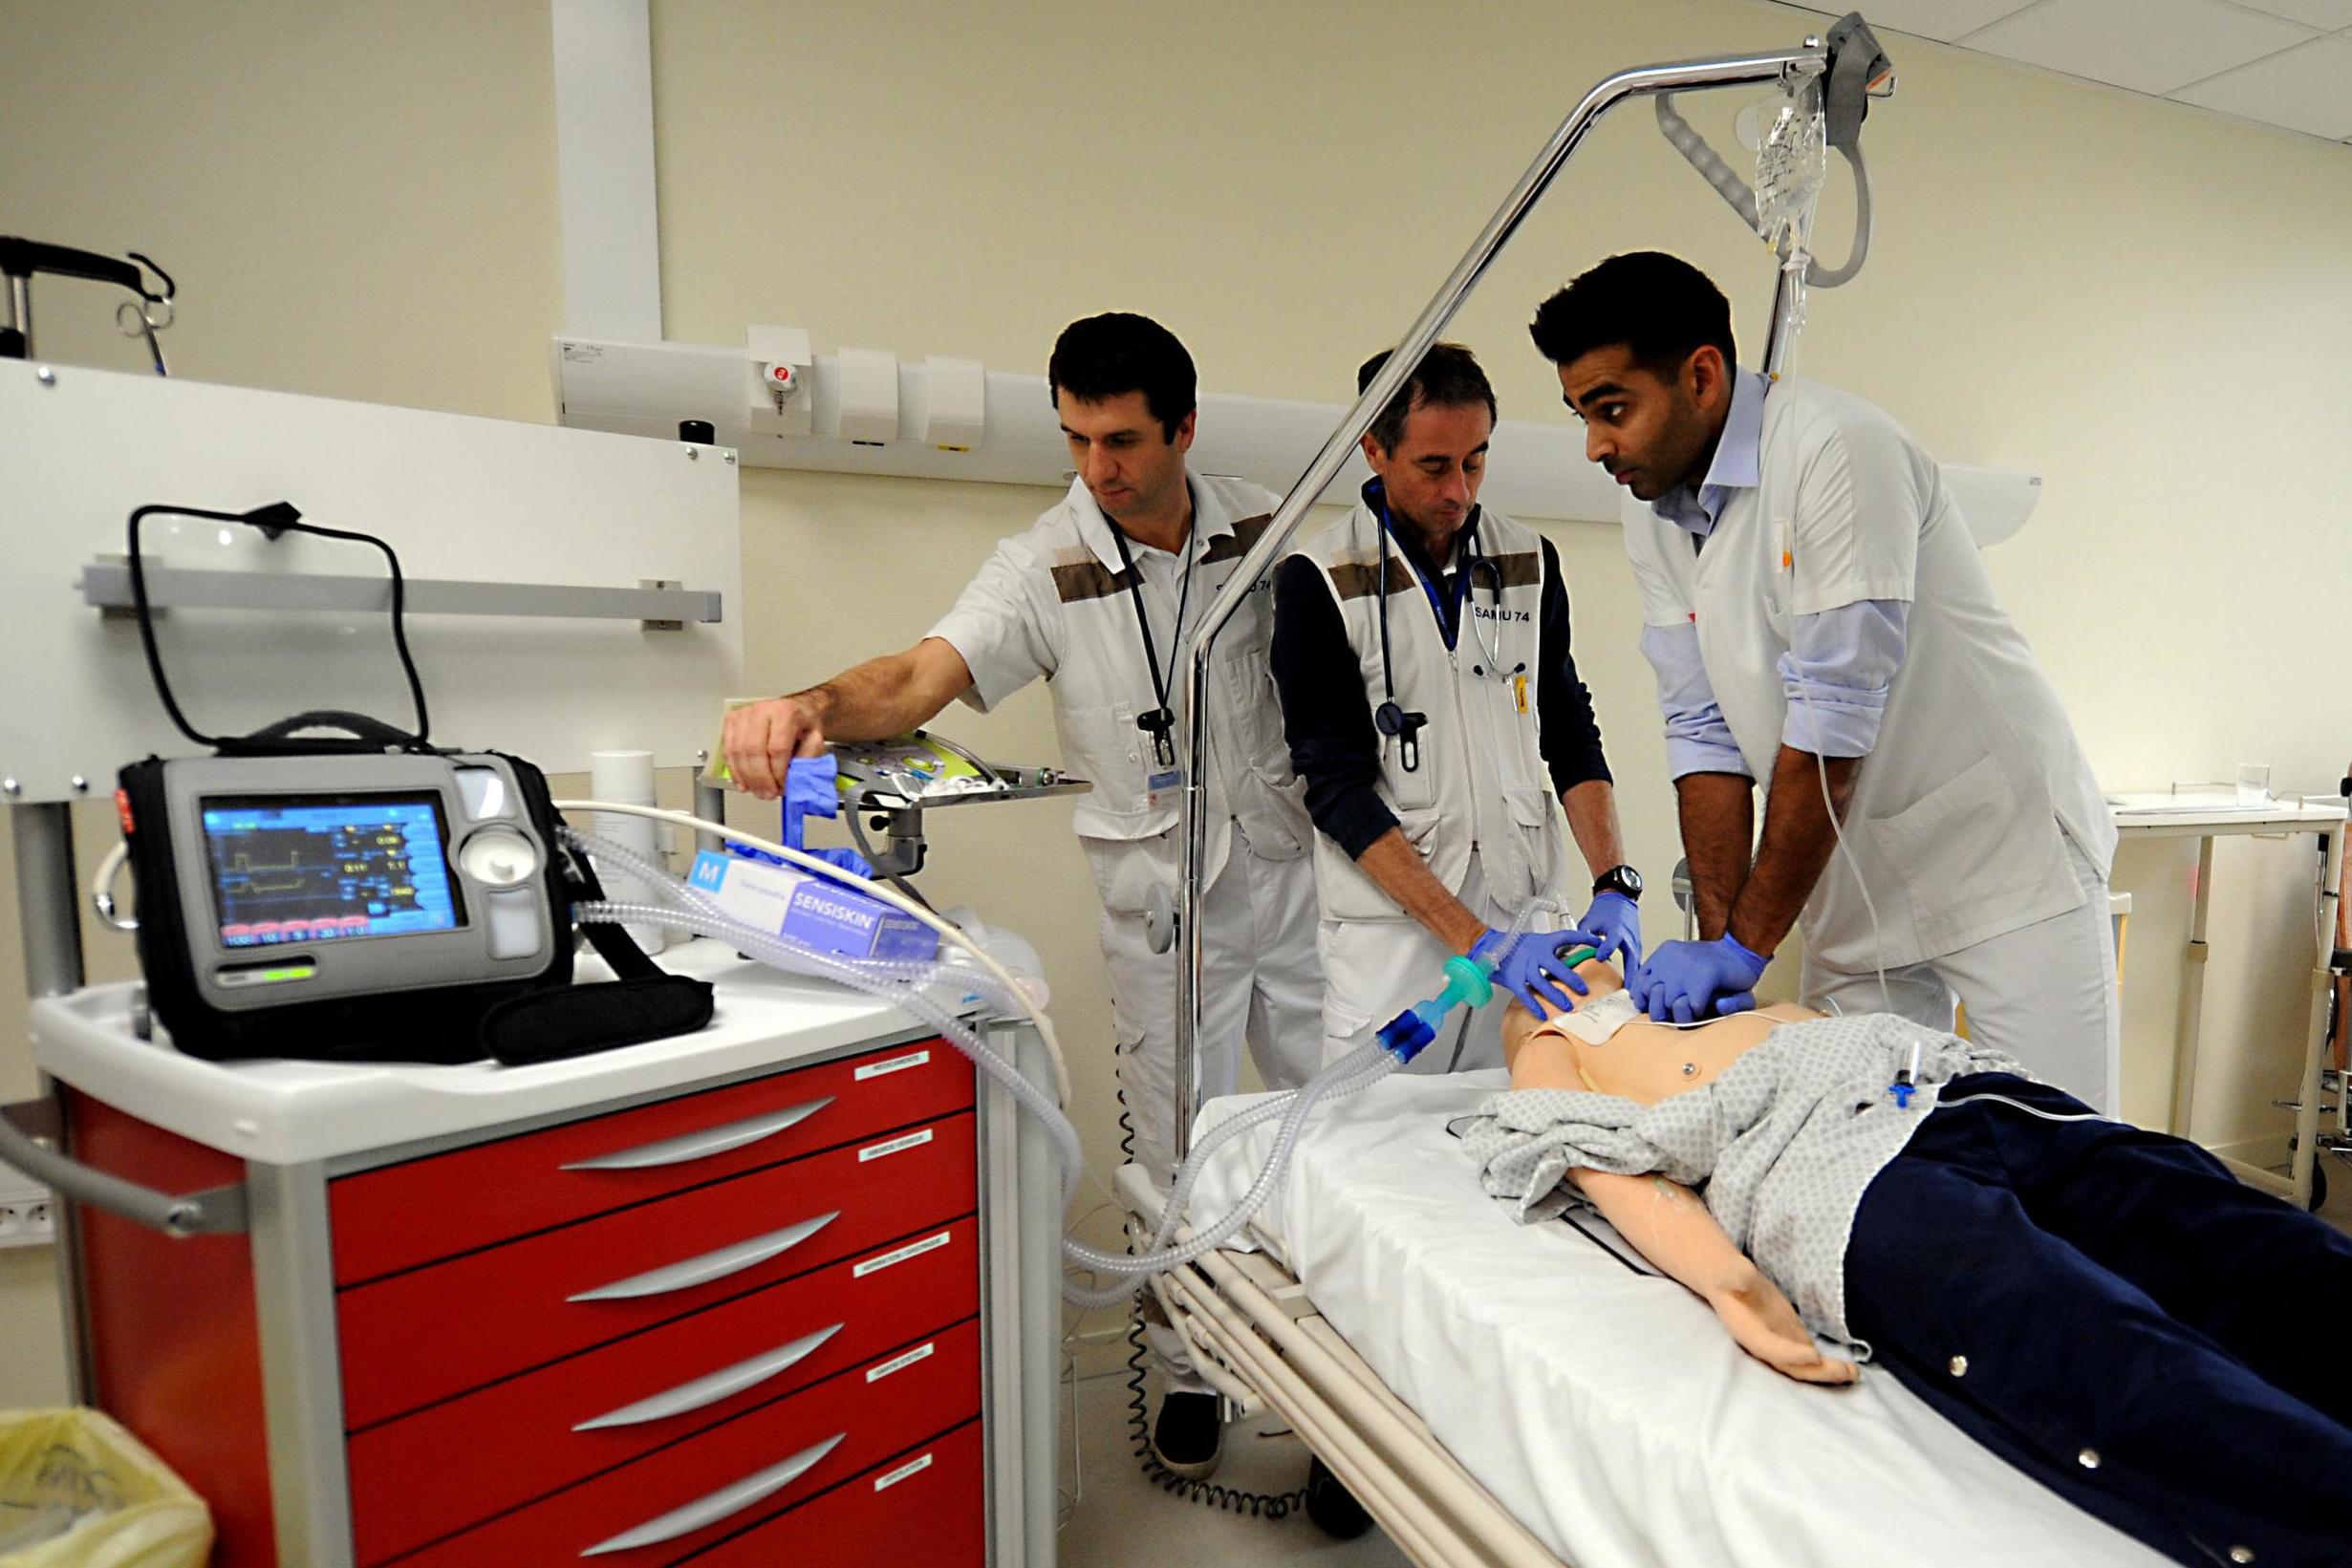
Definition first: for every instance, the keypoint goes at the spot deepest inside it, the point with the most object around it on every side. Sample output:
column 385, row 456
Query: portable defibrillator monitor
column 301, row 878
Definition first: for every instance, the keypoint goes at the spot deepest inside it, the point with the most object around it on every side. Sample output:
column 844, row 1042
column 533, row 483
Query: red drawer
column 403, row 1216
column 697, row 1491
column 520, row 1437
column 929, row 1506
column 433, row 1332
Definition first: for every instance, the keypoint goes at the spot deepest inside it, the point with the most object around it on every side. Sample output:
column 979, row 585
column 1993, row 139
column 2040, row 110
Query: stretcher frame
column 1257, row 1339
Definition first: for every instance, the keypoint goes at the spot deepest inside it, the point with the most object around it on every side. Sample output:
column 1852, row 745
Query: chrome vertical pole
column 48, row 910
column 20, row 312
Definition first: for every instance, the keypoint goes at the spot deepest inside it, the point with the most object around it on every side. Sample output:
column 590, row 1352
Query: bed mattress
column 1606, row 1408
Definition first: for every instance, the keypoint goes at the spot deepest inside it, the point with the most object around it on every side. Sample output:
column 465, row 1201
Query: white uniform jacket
column 1054, row 602
column 1958, row 811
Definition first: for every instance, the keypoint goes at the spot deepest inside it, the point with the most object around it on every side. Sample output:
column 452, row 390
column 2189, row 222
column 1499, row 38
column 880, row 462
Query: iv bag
column 1792, row 162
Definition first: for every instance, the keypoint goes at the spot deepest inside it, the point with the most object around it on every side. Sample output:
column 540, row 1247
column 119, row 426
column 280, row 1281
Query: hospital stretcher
column 1494, row 1393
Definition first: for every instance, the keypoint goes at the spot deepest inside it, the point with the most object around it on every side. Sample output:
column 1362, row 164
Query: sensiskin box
column 811, row 910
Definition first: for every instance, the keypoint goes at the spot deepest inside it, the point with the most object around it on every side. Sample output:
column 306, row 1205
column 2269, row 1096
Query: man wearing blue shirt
column 1821, row 624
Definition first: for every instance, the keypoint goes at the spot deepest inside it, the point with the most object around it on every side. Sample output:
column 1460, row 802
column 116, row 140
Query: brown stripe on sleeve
column 1232, row 547
column 1084, row 577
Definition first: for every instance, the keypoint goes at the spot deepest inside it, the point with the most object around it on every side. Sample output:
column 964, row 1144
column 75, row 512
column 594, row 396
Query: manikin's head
column 1429, row 445
column 1643, row 344
column 1124, row 389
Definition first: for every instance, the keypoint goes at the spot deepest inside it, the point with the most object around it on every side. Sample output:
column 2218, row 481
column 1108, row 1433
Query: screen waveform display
column 303, row 868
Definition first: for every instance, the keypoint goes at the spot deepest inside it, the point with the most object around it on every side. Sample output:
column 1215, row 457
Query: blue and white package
column 812, row 910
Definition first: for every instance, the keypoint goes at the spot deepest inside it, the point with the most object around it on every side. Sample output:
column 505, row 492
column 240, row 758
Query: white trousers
column 2045, row 993
column 1261, row 986
column 1375, row 969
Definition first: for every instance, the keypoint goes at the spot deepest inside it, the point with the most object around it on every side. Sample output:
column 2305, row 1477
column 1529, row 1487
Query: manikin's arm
column 1668, row 1225
column 872, row 701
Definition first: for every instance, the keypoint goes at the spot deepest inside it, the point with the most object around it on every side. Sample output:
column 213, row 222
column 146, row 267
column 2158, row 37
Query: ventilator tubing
column 1400, row 1040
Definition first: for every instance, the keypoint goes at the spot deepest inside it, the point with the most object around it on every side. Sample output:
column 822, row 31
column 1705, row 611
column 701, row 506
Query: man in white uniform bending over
column 1097, row 599
column 1820, row 623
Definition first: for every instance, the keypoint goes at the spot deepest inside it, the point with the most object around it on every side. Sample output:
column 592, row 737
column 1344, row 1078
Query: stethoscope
column 1403, row 725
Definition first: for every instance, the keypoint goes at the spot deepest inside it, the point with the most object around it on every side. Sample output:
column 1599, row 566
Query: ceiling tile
column 2150, row 45
column 2305, row 89
column 2331, row 14
column 1942, row 19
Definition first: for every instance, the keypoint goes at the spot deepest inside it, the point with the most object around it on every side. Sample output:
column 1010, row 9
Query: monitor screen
column 324, row 867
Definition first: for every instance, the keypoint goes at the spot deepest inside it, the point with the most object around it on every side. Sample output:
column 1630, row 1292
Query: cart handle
column 31, row 1132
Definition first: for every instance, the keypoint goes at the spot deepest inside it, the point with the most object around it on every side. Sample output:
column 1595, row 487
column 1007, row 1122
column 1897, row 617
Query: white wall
column 2142, row 302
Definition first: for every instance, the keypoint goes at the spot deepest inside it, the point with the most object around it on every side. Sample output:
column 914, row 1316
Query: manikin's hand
column 761, row 739
column 1769, row 1328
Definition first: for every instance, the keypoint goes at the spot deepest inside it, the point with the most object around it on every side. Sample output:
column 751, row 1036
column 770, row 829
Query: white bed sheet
column 1608, row 1412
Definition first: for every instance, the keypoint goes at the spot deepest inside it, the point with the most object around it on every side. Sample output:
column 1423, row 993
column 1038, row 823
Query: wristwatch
column 1624, row 879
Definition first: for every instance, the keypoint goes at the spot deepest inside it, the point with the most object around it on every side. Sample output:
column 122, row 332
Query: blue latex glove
column 1684, row 982
column 1615, row 922
column 1531, row 967
column 811, row 788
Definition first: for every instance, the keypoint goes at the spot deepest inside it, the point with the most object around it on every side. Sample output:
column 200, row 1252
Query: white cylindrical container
column 626, row 778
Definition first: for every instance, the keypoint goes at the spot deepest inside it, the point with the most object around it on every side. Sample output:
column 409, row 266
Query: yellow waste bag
column 78, row 1492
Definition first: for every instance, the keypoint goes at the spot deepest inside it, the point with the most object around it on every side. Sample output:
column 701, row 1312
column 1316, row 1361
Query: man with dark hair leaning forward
column 1823, row 627
column 2104, row 1307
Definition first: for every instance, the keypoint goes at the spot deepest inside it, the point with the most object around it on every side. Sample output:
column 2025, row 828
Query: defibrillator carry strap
column 276, row 520
column 643, row 1002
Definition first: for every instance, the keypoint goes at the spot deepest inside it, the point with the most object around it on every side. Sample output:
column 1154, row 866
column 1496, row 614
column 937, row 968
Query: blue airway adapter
column 1408, row 1033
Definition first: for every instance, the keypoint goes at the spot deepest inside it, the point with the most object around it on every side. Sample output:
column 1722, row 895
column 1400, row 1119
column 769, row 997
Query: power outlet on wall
column 27, row 1218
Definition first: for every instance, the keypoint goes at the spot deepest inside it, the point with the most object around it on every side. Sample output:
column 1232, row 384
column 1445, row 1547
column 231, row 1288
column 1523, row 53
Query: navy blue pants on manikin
column 2110, row 1311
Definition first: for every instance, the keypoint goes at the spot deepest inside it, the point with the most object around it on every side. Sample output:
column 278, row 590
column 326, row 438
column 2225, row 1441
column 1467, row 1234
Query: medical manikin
column 1097, row 599
column 2107, row 1308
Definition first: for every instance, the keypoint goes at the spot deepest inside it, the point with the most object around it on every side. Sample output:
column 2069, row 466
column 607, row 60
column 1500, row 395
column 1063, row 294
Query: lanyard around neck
column 1466, row 547
column 1160, row 723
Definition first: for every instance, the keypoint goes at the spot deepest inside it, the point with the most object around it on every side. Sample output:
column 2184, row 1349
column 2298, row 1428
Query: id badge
column 1164, row 790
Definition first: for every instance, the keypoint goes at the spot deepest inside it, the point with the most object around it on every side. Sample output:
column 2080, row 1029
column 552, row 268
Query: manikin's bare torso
column 1643, row 1062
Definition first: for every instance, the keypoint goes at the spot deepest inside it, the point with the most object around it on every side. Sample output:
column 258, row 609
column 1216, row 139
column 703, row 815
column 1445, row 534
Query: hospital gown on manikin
column 1784, row 1141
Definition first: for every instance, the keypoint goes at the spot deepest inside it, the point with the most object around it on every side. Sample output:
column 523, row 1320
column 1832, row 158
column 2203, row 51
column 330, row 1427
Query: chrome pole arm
column 1730, row 70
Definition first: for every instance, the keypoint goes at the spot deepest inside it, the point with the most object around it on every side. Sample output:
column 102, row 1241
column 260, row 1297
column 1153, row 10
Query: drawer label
column 913, row 1467
column 913, row 1139
column 913, row 1249
column 899, row 1363
column 897, row 1064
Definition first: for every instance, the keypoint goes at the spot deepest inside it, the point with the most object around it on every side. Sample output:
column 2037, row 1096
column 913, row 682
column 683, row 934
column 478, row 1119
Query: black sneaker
column 1189, row 1434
